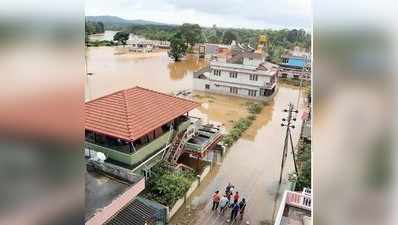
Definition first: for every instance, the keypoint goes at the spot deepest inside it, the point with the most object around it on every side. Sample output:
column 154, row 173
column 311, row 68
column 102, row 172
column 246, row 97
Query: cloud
column 226, row 13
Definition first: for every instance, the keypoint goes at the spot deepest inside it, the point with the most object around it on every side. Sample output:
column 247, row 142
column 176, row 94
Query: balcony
column 295, row 208
column 143, row 153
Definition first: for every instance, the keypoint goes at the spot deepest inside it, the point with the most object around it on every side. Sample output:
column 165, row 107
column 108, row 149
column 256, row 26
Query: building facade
column 295, row 65
column 245, row 75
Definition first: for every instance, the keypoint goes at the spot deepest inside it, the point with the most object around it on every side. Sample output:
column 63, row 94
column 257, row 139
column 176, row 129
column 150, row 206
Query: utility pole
column 288, row 124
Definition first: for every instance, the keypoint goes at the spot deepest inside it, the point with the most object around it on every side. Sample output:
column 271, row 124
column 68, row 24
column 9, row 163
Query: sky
column 261, row 14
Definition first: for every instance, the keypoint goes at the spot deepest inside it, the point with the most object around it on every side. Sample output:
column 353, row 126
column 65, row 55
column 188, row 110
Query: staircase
column 177, row 145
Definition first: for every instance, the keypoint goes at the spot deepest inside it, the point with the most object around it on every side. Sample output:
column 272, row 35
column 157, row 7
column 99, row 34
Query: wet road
column 252, row 164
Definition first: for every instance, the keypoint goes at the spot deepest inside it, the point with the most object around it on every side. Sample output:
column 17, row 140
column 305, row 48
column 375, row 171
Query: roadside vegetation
column 242, row 124
column 166, row 186
column 303, row 160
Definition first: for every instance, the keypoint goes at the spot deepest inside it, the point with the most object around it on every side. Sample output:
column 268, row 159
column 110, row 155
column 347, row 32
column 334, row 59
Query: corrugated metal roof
column 130, row 114
column 296, row 62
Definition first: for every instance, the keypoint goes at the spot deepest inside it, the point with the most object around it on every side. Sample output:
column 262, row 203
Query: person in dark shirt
column 242, row 206
column 234, row 211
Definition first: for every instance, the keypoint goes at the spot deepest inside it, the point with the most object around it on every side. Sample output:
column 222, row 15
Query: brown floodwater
column 252, row 164
column 113, row 69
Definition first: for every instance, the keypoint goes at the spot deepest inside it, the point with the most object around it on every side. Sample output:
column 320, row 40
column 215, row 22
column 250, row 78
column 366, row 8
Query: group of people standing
column 229, row 200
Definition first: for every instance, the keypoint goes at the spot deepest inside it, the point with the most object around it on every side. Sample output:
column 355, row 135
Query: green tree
column 228, row 37
column 192, row 33
column 178, row 47
column 121, row 37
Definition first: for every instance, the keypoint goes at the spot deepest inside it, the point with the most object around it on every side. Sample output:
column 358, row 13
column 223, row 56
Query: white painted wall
column 242, row 78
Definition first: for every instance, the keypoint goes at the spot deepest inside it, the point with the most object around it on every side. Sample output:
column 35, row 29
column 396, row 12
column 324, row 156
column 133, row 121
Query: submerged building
column 245, row 74
column 295, row 64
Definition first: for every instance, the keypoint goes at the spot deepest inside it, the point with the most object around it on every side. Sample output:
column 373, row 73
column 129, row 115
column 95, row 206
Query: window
column 284, row 75
column 233, row 90
column 253, row 77
column 217, row 72
column 233, row 74
column 207, row 86
column 262, row 92
column 296, row 76
column 253, row 93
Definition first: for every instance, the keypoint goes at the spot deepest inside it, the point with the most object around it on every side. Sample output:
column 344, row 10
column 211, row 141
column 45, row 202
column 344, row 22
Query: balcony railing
column 134, row 158
column 295, row 199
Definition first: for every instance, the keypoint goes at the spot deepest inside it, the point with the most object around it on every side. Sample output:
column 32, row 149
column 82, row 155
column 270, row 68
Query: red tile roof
column 130, row 114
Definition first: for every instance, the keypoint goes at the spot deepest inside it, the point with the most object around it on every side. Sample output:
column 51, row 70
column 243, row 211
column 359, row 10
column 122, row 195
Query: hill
column 110, row 21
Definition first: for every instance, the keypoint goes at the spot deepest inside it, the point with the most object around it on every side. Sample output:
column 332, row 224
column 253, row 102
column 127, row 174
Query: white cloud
column 225, row 13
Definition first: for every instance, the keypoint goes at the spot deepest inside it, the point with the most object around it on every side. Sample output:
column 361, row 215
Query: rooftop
column 105, row 195
column 129, row 114
column 100, row 191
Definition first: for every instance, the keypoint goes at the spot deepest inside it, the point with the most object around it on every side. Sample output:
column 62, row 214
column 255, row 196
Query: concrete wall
column 215, row 87
column 242, row 78
column 117, row 204
column 193, row 187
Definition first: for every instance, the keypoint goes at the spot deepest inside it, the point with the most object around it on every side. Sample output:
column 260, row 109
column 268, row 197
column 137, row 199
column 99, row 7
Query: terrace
column 204, row 139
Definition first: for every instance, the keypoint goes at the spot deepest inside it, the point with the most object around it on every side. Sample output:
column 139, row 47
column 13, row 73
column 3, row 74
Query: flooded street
column 252, row 164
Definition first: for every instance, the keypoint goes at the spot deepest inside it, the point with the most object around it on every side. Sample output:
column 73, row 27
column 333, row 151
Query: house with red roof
column 132, row 130
column 137, row 127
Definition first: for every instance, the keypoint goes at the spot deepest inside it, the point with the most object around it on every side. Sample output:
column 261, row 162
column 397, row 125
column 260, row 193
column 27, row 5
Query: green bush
column 167, row 186
column 303, row 160
column 228, row 140
column 254, row 108
column 251, row 117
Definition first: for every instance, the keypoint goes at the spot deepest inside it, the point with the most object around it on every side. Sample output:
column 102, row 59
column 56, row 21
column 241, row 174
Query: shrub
column 251, row 117
column 303, row 160
column 228, row 140
column 254, row 108
column 167, row 186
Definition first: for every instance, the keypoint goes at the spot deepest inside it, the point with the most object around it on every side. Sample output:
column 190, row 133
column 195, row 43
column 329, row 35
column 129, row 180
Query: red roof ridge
column 130, row 113
column 126, row 112
column 164, row 94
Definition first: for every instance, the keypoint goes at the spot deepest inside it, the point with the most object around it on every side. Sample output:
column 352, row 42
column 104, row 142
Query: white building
column 244, row 75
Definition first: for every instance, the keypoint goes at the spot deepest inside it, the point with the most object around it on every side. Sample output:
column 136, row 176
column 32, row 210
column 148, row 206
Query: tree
column 228, row 37
column 121, row 37
column 192, row 33
column 178, row 47
column 213, row 39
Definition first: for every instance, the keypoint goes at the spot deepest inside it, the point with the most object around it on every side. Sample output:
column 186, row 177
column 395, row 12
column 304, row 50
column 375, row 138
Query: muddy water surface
column 252, row 164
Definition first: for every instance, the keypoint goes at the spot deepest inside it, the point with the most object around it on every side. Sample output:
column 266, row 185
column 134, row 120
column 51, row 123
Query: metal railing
column 136, row 157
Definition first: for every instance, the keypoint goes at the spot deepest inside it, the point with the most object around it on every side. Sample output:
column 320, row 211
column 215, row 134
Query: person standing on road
column 234, row 211
column 236, row 196
column 216, row 200
column 242, row 206
column 223, row 204
column 229, row 189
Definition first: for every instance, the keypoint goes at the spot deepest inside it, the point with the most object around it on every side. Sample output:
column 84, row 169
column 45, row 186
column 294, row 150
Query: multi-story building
column 246, row 74
column 295, row 64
